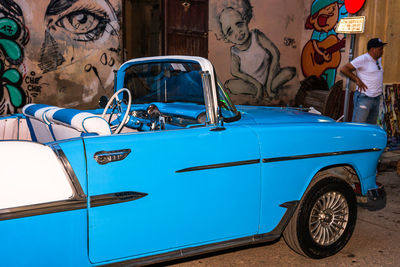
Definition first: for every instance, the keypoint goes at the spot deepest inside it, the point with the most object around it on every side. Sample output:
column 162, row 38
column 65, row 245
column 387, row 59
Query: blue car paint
column 318, row 130
column 269, row 115
column 57, row 239
column 185, row 203
column 284, row 132
column 292, row 177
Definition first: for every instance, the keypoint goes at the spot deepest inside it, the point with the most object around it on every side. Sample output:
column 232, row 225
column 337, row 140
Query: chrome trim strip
column 114, row 198
column 189, row 252
column 79, row 193
column 220, row 165
column 44, row 208
column 318, row 155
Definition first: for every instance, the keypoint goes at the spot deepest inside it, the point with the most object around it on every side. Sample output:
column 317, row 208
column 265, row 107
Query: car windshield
column 165, row 82
column 171, row 82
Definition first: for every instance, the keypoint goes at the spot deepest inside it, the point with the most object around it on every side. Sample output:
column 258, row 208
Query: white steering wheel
column 118, row 103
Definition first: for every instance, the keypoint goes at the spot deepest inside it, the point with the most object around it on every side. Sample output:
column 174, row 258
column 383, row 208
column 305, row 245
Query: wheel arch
column 345, row 172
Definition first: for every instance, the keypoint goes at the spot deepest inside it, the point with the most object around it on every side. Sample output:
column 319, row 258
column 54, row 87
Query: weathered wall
column 60, row 52
column 63, row 52
column 284, row 53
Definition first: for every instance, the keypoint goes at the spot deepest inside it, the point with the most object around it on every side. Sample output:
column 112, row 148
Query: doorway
column 165, row 27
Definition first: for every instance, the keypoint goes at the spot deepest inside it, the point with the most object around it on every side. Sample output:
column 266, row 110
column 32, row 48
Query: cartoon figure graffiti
column 65, row 58
column 13, row 36
column 321, row 55
column 255, row 63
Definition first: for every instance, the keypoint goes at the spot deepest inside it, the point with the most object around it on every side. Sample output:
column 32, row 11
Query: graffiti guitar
column 312, row 63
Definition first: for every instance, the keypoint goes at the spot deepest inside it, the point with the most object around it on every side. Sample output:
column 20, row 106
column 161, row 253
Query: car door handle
column 104, row 157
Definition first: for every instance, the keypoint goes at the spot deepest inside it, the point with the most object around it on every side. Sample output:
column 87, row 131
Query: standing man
column 369, row 80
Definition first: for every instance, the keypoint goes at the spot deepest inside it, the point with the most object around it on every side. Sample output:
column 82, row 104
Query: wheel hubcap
column 328, row 218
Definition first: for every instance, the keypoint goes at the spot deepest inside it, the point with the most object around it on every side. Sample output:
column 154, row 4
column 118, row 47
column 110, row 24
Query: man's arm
column 348, row 70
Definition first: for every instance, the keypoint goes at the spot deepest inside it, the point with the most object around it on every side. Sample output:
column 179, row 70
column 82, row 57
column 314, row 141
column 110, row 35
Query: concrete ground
column 375, row 242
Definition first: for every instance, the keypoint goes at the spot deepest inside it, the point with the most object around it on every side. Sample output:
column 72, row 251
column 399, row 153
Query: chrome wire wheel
column 324, row 219
column 328, row 218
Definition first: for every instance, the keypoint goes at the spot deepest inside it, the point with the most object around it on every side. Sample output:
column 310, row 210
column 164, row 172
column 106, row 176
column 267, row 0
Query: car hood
column 259, row 114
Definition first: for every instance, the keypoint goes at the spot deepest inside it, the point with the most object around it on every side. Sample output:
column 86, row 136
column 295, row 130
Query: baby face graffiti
column 234, row 27
column 255, row 66
column 326, row 18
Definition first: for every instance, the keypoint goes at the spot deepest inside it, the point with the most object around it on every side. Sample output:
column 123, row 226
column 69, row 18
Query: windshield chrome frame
column 212, row 116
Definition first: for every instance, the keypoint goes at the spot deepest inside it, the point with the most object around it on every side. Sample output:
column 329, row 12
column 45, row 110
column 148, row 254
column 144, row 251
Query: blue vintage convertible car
column 171, row 168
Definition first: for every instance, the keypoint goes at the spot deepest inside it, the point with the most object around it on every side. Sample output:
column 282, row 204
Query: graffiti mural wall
column 242, row 40
column 321, row 55
column 263, row 50
column 63, row 52
column 59, row 52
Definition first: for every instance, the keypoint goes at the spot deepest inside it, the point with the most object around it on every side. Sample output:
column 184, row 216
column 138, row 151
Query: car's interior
column 43, row 123
column 154, row 96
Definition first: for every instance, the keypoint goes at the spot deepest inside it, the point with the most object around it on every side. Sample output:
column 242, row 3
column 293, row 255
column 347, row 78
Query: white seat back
column 62, row 123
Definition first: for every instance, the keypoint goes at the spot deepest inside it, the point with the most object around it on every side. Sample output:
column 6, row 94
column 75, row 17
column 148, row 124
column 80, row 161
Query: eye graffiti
column 84, row 24
column 74, row 21
column 64, row 33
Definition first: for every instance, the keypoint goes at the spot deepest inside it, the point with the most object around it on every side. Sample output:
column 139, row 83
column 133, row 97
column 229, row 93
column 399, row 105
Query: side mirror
column 103, row 101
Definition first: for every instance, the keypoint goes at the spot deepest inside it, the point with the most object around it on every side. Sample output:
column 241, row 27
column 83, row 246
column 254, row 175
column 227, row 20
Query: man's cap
column 375, row 42
column 317, row 5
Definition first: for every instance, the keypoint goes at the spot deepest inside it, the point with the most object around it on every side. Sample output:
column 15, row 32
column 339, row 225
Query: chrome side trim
column 220, row 165
column 78, row 192
column 114, row 198
column 44, row 208
column 189, row 252
column 318, row 155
